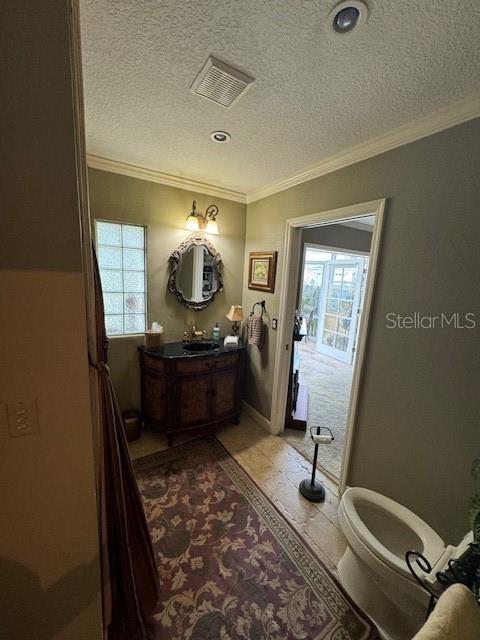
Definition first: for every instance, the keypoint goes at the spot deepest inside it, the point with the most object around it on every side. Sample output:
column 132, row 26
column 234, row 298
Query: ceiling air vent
column 220, row 82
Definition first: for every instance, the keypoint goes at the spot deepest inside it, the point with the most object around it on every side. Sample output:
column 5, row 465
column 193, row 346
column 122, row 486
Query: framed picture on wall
column 261, row 270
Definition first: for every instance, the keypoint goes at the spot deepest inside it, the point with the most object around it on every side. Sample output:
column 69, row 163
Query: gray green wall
column 164, row 210
column 338, row 236
column 417, row 425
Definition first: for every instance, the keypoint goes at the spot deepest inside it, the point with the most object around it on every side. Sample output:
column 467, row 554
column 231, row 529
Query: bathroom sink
column 200, row 347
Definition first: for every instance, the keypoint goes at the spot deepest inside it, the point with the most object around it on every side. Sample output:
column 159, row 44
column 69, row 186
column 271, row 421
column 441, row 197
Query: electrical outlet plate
column 22, row 418
column 274, row 323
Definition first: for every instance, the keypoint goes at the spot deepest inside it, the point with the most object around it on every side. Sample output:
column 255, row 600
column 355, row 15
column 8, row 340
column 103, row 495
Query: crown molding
column 439, row 121
column 125, row 169
column 444, row 119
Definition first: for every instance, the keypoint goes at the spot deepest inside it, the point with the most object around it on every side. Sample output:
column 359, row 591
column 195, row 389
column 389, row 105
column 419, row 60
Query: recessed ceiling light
column 347, row 16
column 220, row 136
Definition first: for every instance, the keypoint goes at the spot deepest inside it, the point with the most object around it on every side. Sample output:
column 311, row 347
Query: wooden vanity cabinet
column 192, row 400
column 186, row 394
column 224, row 392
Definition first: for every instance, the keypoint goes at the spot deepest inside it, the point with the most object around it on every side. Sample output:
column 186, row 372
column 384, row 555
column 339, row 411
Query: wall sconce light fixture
column 199, row 222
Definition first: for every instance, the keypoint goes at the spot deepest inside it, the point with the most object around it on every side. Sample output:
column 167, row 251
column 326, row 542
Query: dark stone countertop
column 176, row 350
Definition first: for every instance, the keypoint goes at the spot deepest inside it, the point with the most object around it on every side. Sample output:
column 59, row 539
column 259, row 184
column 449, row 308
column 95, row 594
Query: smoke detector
column 220, row 83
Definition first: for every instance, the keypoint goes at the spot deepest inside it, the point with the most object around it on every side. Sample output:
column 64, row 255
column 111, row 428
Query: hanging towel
column 256, row 331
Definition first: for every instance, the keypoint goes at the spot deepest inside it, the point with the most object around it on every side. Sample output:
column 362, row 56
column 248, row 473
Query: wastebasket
column 132, row 423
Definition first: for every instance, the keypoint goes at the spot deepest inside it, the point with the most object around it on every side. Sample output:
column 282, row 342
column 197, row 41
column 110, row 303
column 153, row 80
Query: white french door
column 338, row 308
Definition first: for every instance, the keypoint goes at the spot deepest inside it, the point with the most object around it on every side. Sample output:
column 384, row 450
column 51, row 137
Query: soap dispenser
column 216, row 332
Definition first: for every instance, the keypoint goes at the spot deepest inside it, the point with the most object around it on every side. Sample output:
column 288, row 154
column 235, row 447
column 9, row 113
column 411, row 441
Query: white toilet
column 373, row 570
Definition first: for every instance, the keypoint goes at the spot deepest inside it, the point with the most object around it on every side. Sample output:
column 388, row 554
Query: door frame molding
column 288, row 294
column 85, row 221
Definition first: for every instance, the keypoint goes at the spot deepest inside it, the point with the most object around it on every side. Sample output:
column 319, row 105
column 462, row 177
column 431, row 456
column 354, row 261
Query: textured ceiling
column 315, row 94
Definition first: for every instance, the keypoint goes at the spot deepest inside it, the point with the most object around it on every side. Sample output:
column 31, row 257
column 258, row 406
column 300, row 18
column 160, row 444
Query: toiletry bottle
column 216, row 332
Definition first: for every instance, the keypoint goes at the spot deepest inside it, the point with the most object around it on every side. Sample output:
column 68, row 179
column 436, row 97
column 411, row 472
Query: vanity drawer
column 157, row 364
column 229, row 360
column 203, row 365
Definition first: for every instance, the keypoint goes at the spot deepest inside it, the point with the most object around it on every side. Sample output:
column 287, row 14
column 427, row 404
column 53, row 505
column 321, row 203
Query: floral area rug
column 230, row 566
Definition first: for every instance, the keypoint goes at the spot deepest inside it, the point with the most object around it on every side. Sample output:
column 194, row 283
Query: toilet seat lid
column 433, row 545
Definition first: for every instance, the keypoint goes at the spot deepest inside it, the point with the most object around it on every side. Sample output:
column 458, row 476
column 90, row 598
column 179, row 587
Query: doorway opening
column 327, row 289
column 330, row 299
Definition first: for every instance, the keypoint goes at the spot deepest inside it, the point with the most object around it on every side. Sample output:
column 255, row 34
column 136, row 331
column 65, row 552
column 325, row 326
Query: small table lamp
column 236, row 316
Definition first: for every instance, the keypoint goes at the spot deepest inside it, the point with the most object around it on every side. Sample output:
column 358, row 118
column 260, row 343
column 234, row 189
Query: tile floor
column 278, row 469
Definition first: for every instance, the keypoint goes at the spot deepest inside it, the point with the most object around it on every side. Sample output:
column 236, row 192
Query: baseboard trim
column 257, row 416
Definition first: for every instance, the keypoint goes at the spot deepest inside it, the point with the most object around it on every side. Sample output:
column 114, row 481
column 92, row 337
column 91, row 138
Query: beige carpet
column 329, row 383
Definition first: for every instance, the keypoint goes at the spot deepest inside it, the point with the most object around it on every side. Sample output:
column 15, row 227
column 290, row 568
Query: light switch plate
column 274, row 323
column 22, row 418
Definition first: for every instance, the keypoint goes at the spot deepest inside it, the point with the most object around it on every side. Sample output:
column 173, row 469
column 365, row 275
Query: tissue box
column 153, row 339
column 230, row 342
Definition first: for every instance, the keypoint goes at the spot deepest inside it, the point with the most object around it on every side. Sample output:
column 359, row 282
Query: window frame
column 145, row 285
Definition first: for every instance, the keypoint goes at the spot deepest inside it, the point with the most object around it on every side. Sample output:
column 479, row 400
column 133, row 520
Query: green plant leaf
column 474, row 509
column 474, row 516
column 476, row 469
column 476, row 528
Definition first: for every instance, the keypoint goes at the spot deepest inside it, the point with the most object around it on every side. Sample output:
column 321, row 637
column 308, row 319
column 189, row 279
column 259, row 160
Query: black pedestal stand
column 311, row 490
